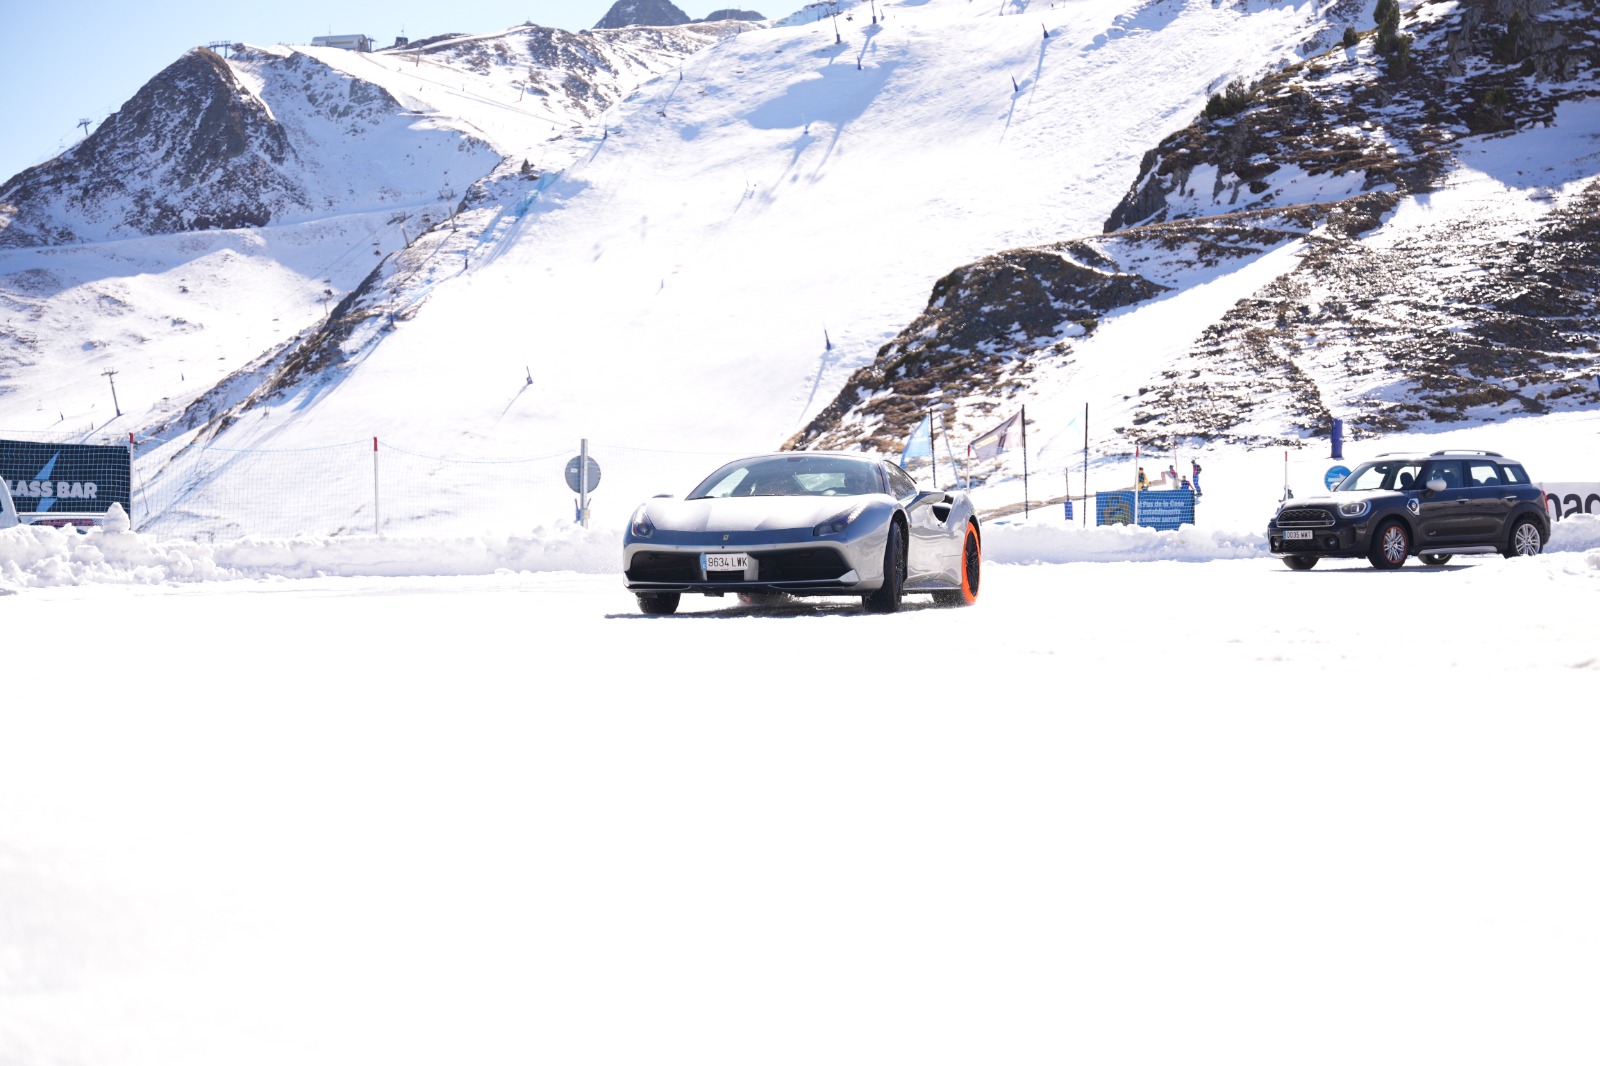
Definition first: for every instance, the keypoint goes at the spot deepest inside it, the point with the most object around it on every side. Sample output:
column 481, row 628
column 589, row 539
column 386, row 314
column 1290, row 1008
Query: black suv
column 1402, row 504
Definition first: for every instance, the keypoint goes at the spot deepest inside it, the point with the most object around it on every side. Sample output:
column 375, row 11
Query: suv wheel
column 1390, row 546
column 1434, row 559
column 1299, row 562
column 1525, row 539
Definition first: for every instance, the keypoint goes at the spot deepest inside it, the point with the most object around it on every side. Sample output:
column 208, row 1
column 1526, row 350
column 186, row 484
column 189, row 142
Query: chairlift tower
column 111, row 376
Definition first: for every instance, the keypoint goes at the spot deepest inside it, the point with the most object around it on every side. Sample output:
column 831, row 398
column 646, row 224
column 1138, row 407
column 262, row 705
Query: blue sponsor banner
column 1157, row 509
column 76, row 478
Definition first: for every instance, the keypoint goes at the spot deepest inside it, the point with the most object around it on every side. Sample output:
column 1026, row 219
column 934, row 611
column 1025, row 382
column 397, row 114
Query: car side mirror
column 1437, row 484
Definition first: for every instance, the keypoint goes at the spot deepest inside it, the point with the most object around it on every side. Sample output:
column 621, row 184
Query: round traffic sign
column 1335, row 475
column 574, row 466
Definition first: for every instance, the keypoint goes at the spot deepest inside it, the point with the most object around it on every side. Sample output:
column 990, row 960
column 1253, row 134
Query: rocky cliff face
column 1355, row 119
column 193, row 149
column 984, row 322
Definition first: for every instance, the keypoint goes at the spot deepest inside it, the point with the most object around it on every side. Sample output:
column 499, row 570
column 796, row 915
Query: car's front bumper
column 797, row 563
column 1338, row 541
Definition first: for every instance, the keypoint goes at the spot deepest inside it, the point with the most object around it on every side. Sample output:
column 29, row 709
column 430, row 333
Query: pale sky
column 66, row 60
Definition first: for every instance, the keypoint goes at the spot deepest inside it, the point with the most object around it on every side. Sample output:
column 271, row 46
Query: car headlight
column 640, row 525
column 838, row 523
column 1355, row 509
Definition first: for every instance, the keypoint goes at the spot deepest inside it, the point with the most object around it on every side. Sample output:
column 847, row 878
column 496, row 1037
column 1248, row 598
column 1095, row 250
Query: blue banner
column 920, row 442
column 1157, row 509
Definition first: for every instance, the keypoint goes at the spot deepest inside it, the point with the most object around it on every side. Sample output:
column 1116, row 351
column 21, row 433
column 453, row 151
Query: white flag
column 996, row 440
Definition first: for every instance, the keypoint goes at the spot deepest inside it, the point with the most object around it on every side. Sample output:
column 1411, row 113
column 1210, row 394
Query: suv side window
column 900, row 483
column 1446, row 470
column 1482, row 472
column 1514, row 474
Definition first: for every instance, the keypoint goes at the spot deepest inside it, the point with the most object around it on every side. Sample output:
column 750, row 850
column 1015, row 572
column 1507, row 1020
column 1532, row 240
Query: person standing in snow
column 1196, row 465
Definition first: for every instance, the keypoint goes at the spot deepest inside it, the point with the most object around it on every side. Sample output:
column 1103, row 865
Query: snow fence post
column 377, row 522
column 130, row 478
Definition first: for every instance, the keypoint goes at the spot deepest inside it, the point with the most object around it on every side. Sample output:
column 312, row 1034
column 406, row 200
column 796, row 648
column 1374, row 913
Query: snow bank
column 36, row 556
column 39, row 556
column 1059, row 542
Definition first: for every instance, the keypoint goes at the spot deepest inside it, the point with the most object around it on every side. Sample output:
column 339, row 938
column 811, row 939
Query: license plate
column 725, row 562
column 1297, row 534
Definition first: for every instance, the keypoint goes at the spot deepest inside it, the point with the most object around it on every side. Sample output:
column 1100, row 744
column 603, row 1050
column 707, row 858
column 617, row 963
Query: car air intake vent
column 1304, row 516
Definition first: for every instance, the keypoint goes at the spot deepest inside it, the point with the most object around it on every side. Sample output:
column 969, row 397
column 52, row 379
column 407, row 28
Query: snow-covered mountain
column 1209, row 222
column 1441, row 213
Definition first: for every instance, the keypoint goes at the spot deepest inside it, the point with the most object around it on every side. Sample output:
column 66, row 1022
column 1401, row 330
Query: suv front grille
column 1304, row 516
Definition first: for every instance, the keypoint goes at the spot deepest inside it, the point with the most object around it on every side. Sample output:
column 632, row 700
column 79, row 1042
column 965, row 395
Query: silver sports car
column 805, row 524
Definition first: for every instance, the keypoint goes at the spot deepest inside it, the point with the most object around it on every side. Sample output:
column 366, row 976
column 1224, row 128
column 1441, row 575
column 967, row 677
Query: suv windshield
column 1384, row 474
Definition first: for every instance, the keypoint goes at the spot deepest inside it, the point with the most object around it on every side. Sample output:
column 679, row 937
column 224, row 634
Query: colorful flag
column 996, row 440
column 920, row 442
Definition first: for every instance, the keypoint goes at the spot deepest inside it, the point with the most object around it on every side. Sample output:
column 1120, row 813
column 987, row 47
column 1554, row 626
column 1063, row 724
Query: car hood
column 748, row 514
column 1332, row 500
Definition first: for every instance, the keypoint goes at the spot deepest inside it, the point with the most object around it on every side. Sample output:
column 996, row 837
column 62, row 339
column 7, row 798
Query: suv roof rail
column 1464, row 451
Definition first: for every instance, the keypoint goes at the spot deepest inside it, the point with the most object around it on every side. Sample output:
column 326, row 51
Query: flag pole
column 1024, row 460
column 1086, row 464
column 933, row 451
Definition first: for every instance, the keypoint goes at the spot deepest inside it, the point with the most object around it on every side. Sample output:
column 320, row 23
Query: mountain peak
column 193, row 149
column 642, row 13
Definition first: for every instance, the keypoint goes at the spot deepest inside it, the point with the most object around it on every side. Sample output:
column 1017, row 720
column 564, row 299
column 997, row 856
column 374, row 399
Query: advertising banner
column 80, row 479
column 1156, row 509
column 1563, row 499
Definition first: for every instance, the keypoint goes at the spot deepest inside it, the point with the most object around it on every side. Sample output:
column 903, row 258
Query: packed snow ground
column 1125, row 812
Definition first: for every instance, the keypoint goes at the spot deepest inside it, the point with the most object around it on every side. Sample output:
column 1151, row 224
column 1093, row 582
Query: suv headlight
column 839, row 522
column 1355, row 509
column 640, row 525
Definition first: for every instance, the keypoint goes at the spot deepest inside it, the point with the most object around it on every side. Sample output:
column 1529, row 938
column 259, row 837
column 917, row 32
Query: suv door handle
column 1509, row 499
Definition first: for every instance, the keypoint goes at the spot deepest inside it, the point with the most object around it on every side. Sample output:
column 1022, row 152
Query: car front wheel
column 1390, row 546
column 1525, row 539
column 658, row 602
column 887, row 599
column 1299, row 562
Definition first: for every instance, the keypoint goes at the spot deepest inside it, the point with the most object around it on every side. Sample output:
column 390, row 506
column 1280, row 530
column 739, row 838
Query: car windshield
column 1384, row 474
column 790, row 475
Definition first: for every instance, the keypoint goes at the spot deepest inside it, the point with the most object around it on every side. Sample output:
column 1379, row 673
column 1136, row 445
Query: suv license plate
column 1297, row 534
column 724, row 562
